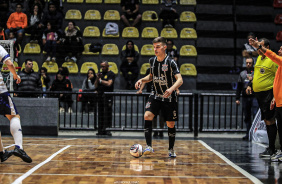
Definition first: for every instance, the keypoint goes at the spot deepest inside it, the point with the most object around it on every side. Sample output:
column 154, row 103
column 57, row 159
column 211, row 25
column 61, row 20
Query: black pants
column 247, row 109
column 104, row 113
column 129, row 68
column 279, row 123
column 168, row 17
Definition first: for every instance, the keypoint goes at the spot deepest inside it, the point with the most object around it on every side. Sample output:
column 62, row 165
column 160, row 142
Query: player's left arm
column 11, row 67
column 175, row 86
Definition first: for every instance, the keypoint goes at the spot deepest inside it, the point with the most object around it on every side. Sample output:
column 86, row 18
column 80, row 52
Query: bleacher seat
column 188, row 2
column 188, row 50
column 150, row 32
column 188, row 69
column 144, row 68
column 6, row 68
column 92, row 15
column 147, row 16
column 110, row 49
column 93, row 1
column 32, row 48
column 188, row 33
column 73, row 15
column 87, row 65
column 150, row 1
column 135, row 48
column 188, row 16
column 109, row 36
column 111, row 15
column 277, row 4
column 112, row 1
column 75, row 1
column 52, row 67
column 72, row 66
column 35, row 66
column 279, row 36
column 91, row 31
column 130, row 32
column 113, row 67
column 147, row 50
column 20, row 48
column 169, row 33
column 87, row 52
column 278, row 19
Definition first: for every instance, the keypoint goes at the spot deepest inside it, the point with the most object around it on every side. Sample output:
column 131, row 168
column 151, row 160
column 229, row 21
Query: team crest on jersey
column 148, row 105
column 262, row 70
column 164, row 67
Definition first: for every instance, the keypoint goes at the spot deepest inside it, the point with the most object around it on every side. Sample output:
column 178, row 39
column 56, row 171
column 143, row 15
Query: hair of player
column 160, row 39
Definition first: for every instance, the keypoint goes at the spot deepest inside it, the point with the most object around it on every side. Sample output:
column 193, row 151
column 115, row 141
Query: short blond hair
column 160, row 39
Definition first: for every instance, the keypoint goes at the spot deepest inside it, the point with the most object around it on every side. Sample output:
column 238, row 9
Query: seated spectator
column 88, row 85
column 4, row 13
column 64, row 85
column 168, row 13
column 13, row 5
column 72, row 42
column 17, row 22
column 39, row 3
column 170, row 51
column 33, row 28
column 249, row 51
column 65, row 71
column 45, row 79
column 59, row 5
column 130, row 9
column 30, row 81
column 129, row 58
column 16, row 45
column 50, row 39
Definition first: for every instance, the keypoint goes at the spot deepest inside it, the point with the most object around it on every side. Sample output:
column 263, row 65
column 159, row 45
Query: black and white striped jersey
column 163, row 77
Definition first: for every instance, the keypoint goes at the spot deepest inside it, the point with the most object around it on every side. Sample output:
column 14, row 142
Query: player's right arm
column 11, row 67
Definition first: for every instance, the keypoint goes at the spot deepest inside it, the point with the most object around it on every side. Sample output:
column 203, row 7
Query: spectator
column 249, row 51
column 13, row 5
column 4, row 11
column 130, row 9
column 39, row 3
column 129, row 58
column 64, row 85
column 33, row 28
column 45, row 79
column 168, row 13
column 2, row 34
column 16, row 45
column 72, row 42
column 30, row 81
column 105, row 83
column 88, row 85
column 59, row 5
column 17, row 22
column 170, row 51
column 65, row 71
column 50, row 39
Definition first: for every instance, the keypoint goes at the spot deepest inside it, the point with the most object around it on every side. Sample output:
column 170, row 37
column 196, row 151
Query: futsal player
column 166, row 79
column 8, row 109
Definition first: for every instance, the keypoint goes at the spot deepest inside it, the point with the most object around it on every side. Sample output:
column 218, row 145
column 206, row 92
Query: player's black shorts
column 169, row 109
column 7, row 106
column 264, row 99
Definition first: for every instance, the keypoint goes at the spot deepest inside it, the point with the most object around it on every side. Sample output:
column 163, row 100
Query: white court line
column 9, row 146
column 242, row 171
column 20, row 179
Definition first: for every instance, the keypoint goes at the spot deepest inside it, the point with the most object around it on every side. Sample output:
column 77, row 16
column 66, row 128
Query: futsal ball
column 136, row 150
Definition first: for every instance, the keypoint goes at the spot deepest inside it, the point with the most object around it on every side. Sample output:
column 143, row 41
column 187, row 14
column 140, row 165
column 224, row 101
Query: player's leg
column 4, row 154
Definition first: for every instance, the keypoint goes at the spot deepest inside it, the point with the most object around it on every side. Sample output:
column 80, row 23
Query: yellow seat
column 150, row 32
column 93, row 1
column 150, row 1
column 188, row 69
column 135, row 48
column 75, row 1
column 110, row 49
column 111, row 15
column 35, row 66
column 20, row 49
column 87, row 52
column 73, row 15
column 32, row 48
column 5, row 69
column 144, row 68
column 87, row 65
column 147, row 50
column 188, row 2
column 130, row 32
column 92, row 15
column 188, row 33
column 91, row 31
column 188, row 16
column 169, row 33
column 147, row 16
column 188, row 50
column 52, row 67
column 113, row 67
column 72, row 66
column 109, row 36
column 112, row 1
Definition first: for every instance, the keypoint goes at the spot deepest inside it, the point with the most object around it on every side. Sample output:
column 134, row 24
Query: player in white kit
column 8, row 109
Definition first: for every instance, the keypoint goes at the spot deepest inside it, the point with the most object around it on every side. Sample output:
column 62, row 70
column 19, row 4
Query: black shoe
column 109, row 134
column 99, row 133
column 161, row 134
column 267, row 153
column 6, row 155
column 155, row 134
column 22, row 154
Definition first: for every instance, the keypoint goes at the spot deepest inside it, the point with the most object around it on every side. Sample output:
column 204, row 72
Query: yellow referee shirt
column 264, row 74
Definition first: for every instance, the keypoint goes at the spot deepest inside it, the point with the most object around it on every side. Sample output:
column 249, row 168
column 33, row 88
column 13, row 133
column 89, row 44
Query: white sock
column 1, row 144
column 16, row 131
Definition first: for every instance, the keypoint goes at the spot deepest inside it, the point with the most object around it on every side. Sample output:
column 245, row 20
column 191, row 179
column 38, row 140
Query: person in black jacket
column 64, row 85
column 30, row 81
column 45, row 79
column 88, row 85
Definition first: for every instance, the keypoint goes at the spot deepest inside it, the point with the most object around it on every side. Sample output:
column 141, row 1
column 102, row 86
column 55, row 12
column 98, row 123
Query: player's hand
column 138, row 84
column 249, row 90
column 18, row 79
column 272, row 104
column 167, row 93
column 238, row 102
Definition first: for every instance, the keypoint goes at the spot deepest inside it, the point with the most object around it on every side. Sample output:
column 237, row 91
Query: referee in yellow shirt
column 262, row 84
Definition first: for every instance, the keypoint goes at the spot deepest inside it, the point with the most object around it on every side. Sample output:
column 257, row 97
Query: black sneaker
column 267, row 153
column 6, row 155
column 22, row 154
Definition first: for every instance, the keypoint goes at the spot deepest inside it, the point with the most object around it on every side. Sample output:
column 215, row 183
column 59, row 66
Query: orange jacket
column 277, row 84
column 17, row 20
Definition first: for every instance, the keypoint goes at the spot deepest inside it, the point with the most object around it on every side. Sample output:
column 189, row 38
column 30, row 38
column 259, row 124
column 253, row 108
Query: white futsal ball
column 136, row 150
